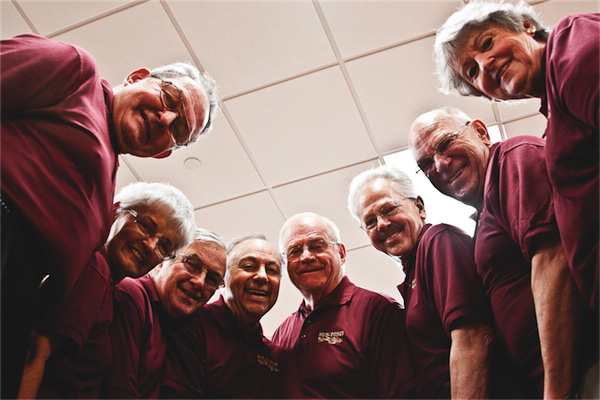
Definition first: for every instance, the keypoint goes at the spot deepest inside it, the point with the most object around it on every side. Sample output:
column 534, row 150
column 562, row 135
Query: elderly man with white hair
column 344, row 341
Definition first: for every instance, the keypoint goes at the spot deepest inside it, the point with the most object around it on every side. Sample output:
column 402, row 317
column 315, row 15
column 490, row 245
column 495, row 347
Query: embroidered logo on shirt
column 272, row 365
column 331, row 337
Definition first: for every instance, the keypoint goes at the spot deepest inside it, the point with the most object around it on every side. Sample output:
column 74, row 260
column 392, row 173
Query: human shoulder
column 374, row 299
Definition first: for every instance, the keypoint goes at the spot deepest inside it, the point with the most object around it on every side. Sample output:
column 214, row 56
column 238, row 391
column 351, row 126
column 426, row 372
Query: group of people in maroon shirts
column 105, row 296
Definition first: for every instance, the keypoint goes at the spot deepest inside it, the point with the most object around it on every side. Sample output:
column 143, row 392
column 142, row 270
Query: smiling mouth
column 256, row 292
column 191, row 295
column 456, row 175
column 137, row 254
column 146, row 124
column 502, row 70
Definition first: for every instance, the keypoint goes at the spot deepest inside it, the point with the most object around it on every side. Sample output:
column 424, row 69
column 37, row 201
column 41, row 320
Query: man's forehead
column 253, row 248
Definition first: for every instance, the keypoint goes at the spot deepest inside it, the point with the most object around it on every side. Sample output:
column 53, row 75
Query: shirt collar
column 341, row 295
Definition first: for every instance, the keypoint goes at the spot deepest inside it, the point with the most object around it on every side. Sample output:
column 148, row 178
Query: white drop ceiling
column 313, row 92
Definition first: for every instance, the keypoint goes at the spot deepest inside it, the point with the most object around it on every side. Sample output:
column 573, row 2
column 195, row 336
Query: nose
column 198, row 279
column 382, row 222
column 151, row 243
column 440, row 162
column 261, row 274
column 485, row 62
column 306, row 255
column 165, row 117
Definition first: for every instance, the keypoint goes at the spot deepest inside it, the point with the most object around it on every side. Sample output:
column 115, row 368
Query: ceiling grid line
column 348, row 80
column 29, row 23
column 95, row 18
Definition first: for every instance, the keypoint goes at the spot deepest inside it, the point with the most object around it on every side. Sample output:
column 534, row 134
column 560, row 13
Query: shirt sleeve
column 126, row 336
column 575, row 67
column 389, row 356
column 37, row 72
column 451, row 279
column 525, row 197
column 184, row 374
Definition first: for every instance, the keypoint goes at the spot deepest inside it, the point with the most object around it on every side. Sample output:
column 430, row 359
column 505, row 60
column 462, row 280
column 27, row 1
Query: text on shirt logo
column 272, row 365
column 331, row 337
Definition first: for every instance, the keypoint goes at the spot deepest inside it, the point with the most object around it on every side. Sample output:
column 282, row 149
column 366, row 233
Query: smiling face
column 502, row 64
column 130, row 252
column 252, row 280
column 182, row 293
column 460, row 171
column 141, row 122
column 398, row 234
column 315, row 273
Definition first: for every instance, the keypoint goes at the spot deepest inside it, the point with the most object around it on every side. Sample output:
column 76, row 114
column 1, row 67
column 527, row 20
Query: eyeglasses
column 164, row 249
column 172, row 99
column 315, row 246
column 386, row 212
column 194, row 266
column 426, row 164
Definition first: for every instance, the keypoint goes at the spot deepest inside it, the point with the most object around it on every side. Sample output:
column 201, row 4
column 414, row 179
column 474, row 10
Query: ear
column 164, row 154
column 421, row 206
column 136, row 75
column 115, row 210
column 482, row 131
column 342, row 252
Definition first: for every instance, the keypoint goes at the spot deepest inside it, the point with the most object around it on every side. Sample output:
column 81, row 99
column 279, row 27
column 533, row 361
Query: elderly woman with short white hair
column 70, row 353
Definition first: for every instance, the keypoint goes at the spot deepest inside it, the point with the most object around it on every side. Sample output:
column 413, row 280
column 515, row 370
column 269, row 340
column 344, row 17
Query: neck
column 247, row 322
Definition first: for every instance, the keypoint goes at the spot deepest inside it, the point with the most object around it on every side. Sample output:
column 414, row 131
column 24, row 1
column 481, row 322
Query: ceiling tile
column 326, row 195
column 141, row 36
column 361, row 26
column 535, row 126
column 12, row 23
column 255, row 213
column 51, row 16
column 397, row 85
column 510, row 110
column 302, row 127
column 554, row 10
column 249, row 44
column 213, row 169
column 124, row 175
column 374, row 270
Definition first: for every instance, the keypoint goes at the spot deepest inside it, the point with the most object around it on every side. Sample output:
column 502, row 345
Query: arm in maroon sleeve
column 126, row 339
column 37, row 72
column 389, row 357
column 460, row 301
column 184, row 374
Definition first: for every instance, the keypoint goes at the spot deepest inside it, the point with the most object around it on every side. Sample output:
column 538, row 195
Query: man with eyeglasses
column 63, row 128
column 518, row 251
column 146, row 308
column 69, row 351
column 220, row 352
column 344, row 341
column 448, row 318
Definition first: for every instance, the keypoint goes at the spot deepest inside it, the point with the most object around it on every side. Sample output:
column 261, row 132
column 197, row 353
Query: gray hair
column 248, row 236
column 332, row 229
column 453, row 36
column 155, row 194
column 401, row 183
column 204, row 236
column 206, row 82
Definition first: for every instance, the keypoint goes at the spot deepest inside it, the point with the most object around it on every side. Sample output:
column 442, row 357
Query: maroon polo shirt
column 352, row 346
column 517, row 212
column 210, row 356
column 572, row 70
column 78, row 366
column 57, row 160
column 441, row 290
column 138, row 342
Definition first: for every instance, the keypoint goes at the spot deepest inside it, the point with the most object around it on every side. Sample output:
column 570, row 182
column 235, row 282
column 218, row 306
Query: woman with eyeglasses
column 70, row 351
column 501, row 51
column 147, row 306
column 448, row 318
